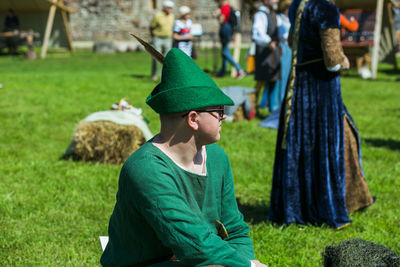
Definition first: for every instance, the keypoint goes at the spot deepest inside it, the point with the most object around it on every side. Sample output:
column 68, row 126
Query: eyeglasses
column 221, row 112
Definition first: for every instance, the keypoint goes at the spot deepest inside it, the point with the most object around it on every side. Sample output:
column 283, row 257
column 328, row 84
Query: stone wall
column 115, row 19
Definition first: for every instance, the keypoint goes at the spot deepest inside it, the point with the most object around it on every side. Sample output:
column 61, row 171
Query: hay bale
column 358, row 252
column 105, row 142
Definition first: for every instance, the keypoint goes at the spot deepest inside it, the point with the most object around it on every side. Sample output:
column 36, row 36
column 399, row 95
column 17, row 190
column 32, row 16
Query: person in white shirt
column 265, row 35
column 182, row 31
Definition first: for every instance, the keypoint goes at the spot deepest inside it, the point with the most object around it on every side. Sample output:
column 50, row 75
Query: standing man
column 161, row 33
column 225, row 35
column 176, row 202
column 267, row 58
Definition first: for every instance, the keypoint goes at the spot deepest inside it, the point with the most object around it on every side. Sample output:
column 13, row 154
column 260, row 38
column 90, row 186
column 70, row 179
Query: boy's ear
column 192, row 120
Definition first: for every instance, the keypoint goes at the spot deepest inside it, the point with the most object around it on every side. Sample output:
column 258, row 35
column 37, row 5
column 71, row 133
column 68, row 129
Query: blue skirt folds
column 309, row 174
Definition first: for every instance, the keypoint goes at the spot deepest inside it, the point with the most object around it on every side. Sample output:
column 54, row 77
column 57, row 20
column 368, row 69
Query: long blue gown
column 309, row 173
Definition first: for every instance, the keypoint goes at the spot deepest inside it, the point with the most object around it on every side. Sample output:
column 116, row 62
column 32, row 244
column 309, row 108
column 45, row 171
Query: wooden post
column 377, row 37
column 236, row 51
column 65, row 20
column 49, row 26
column 392, row 32
column 60, row 4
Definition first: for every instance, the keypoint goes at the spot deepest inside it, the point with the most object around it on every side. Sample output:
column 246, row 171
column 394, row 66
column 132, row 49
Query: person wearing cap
column 176, row 203
column 182, row 27
column 161, row 33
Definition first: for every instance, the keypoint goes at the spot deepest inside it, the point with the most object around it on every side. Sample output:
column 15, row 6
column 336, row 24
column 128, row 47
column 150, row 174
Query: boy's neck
column 185, row 152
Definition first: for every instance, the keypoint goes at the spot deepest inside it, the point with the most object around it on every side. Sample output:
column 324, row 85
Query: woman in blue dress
column 317, row 171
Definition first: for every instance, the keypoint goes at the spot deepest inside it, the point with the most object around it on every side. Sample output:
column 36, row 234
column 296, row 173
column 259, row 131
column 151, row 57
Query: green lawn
column 52, row 211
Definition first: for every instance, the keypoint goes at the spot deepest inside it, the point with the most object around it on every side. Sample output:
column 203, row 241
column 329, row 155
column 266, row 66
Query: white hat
column 183, row 10
column 169, row 4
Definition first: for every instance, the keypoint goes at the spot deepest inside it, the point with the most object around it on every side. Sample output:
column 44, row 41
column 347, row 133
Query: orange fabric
column 347, row 24
column 251, row 64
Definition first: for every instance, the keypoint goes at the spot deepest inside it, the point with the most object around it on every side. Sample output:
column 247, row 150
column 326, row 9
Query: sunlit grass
column 52, row 211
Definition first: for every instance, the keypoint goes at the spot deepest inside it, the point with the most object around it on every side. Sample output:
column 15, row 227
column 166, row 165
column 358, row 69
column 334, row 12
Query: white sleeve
column 259, row 30
column 334, row 68
column 177, row 26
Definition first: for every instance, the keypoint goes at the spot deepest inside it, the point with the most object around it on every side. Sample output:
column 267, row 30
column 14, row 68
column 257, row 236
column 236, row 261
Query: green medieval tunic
column 163, row 210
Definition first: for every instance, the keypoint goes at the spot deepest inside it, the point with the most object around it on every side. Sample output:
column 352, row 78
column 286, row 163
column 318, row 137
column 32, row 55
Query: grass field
column 52, row 211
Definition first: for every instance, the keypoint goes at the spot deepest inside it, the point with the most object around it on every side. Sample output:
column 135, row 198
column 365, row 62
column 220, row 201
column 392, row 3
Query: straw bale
column 106, row 142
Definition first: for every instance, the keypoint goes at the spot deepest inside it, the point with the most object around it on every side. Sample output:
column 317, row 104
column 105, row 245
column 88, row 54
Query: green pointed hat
column 184, row 86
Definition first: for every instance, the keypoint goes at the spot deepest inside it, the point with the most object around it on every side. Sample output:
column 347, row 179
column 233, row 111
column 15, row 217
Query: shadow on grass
column 388, row 143
column 6, row 53
column 386, row 79
column 390, row 71
column 351, row 74
column 380, row 80
column 254, row 213
column 396, row 111
column 138, row 76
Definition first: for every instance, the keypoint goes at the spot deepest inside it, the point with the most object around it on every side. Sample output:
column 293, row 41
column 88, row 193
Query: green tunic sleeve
column 159, row 199
column 233, row 220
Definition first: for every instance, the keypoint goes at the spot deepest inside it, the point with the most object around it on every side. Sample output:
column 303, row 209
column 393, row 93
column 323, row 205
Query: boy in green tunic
column 176, row 203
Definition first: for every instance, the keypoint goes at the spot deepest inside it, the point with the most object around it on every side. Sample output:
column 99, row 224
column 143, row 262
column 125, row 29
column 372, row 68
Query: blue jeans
column 270, row 96
column 225, row 34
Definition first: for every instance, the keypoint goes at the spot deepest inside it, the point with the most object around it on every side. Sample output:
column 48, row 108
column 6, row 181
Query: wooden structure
column 376, row 30
column 237, row 39
column 54, row 5
column 51, row 6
